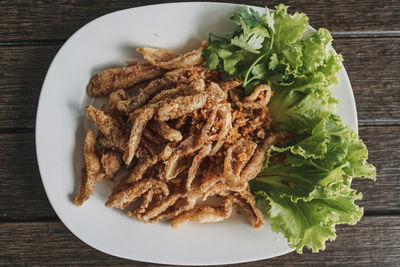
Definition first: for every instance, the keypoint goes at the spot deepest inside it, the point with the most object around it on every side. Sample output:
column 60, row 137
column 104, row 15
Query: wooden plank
column 25, row 20
column 22, row 71
column 22, row 195
column 372, row 64
column 383, row 144
column 372, row 242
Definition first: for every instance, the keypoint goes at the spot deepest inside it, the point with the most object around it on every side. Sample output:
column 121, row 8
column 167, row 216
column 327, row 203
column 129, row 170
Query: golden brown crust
column 111, row 164
column 166, row 131
column 141, row 117
column 255, row 164
column 93, row 166
column 229, row 85
column 246, row 202
column 205, row 214
column 188, row 139
column 127, row 196
column 180, row 106
column 107, row 81
column 166, row 59
column 119, row 100
column 108, row 126
column 197, row 159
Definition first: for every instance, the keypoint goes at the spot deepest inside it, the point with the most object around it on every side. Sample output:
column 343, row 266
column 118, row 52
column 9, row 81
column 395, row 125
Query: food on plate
column 107, row 81
column 187, row 137
column 245, row 121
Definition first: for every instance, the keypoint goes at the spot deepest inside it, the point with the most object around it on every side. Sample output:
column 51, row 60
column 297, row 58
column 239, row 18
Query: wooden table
column 366, row 32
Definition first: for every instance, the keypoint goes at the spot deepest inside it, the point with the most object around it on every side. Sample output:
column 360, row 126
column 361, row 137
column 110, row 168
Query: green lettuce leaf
column 287, row 28
column 305, row 184
column 310, row 223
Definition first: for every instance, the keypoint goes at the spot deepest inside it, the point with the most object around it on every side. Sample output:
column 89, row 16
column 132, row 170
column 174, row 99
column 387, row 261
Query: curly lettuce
column 305, row 185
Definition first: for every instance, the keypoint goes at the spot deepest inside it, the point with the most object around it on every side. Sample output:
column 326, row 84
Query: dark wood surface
column 366, row 32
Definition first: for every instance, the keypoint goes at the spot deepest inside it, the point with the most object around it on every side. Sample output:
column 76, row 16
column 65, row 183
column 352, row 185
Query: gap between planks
column 336, row 35
column 4, row 219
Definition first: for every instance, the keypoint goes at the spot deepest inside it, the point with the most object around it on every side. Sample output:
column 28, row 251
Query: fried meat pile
column 188, row 137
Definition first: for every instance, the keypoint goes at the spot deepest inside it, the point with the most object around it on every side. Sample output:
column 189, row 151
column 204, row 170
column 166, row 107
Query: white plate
column 60, row 126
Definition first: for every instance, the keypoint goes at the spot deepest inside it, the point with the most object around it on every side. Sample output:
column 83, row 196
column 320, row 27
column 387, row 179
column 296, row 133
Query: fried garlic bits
column 189, row 140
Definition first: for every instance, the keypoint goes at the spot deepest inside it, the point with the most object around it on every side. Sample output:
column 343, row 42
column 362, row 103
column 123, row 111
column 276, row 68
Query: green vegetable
column 304, row 186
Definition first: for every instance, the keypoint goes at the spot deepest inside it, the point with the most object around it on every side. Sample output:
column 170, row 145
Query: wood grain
column 22, row 71
column 20, row 181
column 373, row 66
column 372, row 242
column 383, row 144
column 44, row 20
column 22, row 196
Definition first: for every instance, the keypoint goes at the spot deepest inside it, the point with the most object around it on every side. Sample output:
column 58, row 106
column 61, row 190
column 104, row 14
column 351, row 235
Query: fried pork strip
column 180, row 106
column 111, row 164
column 255, row 164
column 194, row 88
column 105, row 82
column 188, row 75
column 92, row 169
column 203, row 152
column 206, row 214
column 245, row 200
column 157, row 209
column 166, row 131
column 108, row 126
column 118, row 100
column 127, row 196
column 229, row 85
column 141, row 117
column 166, row 59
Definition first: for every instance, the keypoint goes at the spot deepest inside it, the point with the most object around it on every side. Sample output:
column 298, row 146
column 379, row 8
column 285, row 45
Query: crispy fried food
column 166, row 59
column 206, row 214
column 181, row 90
column 236, row 158
column 203, row 152
column 139, row 170
column 255, row 164
column 85, row 190
column 245, row 200
column 166, row 131
column 219, row 189
column 188, row 75
column 105, row 82
column 170, row 165
column 123, row 198
column 259, row 98
column 180, row 206
column 141, row 117
column 187, row 138
column 157, row 209
column 118, row 100
column 229, row 85
column 108, row 126
column 111, row 164
column 177, row 107
column 92, row 169
column 147, row 198
column 225, row 124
